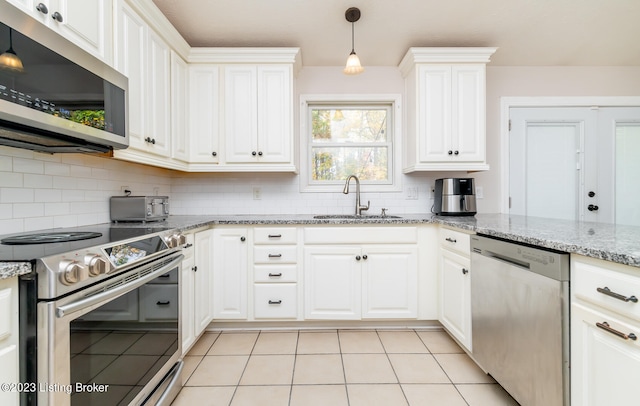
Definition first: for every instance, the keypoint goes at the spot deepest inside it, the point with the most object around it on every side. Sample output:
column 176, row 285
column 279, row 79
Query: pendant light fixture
column 353, row 62
column 9, row 60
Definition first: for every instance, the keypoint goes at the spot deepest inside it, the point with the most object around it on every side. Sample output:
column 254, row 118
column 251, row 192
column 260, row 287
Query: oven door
column 115, row 342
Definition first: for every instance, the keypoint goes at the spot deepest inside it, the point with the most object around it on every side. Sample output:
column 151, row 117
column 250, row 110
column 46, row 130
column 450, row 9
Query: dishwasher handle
column 508, row 260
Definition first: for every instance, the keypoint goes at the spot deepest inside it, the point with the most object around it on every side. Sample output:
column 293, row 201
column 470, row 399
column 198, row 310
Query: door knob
column 592, row 207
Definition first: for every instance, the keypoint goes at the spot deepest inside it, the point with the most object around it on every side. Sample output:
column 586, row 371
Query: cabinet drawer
column 455, row 241
column 158, row 302
column 275, row 255
column 275, row 301
column 275, row 235
column 275, row 273
column 607, row 288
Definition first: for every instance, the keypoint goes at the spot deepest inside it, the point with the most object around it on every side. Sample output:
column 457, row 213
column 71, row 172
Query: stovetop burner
column 47, row 238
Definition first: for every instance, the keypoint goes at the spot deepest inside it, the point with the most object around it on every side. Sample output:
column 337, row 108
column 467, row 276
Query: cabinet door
column 131, row 60
column 179, row 108
column 468, row 112
column 85, row 23
column 455, row 296
column 240, row 113
column 158, row 96
column 604, row 366
column 187, row 303
column 274, row 113
column 204, row 109
column 203, row 279
column 390, row 282
column 434, row 116
column 230, row 269
column 332, row 283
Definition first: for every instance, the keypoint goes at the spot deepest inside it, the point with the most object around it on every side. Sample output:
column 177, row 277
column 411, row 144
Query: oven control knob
column 96, row 264
column 176, row 240
column 72, row 272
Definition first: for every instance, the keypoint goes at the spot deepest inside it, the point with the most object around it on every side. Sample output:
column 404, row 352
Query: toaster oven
column 139, row 208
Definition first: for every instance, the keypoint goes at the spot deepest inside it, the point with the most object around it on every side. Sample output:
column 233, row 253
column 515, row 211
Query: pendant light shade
column 353, row 66
column 9, row 60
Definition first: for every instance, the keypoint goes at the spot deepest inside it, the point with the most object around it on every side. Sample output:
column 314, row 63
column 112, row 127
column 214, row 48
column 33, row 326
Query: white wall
column 40, row 191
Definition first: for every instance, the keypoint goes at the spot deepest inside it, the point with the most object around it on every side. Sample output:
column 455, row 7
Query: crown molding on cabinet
column 444, row 55
column 163, row 27
column 246, row 55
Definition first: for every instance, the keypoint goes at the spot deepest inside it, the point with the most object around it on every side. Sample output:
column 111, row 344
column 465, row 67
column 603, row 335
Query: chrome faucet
column 359, row 208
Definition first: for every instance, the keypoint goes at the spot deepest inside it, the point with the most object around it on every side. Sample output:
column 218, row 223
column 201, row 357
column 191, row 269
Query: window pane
column 349, row 125
column 337, row 163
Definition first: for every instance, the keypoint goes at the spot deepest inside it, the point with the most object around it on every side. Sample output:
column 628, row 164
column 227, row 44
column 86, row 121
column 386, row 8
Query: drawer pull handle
column 605, row 326
column 275, row 235
column 608, row 292
column 188, row 246
column 465, row 271
column 275, row 301
column 453, row 240
column 275, row 275
column 194, row 269
column 275, row 255
column 163, row 303
column 164, row 276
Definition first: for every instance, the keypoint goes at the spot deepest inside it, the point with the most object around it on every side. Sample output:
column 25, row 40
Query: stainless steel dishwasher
column 520, row 319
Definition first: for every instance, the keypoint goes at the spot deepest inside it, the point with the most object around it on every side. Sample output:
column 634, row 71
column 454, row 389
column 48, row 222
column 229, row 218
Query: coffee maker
column 455, row 197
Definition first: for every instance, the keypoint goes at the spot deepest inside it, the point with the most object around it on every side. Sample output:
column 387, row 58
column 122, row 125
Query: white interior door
column 575, row 163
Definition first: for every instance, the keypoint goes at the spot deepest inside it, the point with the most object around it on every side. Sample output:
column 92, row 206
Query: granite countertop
column 609, row 242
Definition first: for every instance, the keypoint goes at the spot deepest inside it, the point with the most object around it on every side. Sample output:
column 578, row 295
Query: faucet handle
column 364, row 208
column 384, row 212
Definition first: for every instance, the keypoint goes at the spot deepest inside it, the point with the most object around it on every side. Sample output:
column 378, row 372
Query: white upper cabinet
column 87, row 24
column 179, row 107
column 446, row 98
column 204, row 114
column 258, row 114
column 145, row 59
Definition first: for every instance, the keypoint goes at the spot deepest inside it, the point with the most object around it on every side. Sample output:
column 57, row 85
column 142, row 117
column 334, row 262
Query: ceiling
column 526, row 32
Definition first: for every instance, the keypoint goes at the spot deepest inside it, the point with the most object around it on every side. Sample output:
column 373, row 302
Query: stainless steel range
column 99, row 317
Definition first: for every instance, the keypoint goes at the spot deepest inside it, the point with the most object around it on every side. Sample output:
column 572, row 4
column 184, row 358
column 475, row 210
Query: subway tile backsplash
column 39, row 191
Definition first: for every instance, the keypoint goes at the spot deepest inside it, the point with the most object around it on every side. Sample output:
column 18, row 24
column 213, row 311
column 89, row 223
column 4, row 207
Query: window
column 350, row 138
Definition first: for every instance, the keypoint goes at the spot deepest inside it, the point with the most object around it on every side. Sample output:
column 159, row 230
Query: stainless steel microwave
column 54, row 96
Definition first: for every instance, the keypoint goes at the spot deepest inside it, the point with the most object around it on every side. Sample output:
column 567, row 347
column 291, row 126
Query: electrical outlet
column 124, row 189
column 156, row 191
column 412, row 193
column 432, row 192
column 479, row 192
column 257, row 193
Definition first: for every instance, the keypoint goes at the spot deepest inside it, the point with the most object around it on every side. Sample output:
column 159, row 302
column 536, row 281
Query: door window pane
column 627, row 170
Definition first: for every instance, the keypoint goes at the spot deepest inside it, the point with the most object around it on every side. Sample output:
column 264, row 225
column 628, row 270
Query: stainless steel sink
column 354, row 217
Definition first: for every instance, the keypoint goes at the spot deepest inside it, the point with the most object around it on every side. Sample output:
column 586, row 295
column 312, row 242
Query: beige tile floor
column 335, row 367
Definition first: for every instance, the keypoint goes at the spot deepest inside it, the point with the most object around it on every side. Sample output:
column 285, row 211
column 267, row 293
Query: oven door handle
column 72, row 307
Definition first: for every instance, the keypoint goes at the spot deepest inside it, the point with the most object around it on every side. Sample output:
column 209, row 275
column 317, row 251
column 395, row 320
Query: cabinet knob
column 592, row 193
column 254, row 153
column 357, row 257
column 243, row 239
column 42, row 8
column 194, row 269
column 57, row 16
column 592, row 207
column 365, row 257
column 260, row 153
column 214, row 153
column 450, row 152
column 456, row 153
column 465, row 271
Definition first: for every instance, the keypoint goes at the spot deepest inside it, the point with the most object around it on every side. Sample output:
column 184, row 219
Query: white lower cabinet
column 455, row 284
column 605, row 332
column 374, row 281
column 9, row 372
column 230, row 269
column 196, row 286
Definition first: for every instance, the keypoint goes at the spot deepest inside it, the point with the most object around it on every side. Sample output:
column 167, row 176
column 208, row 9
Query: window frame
column 335, row 101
